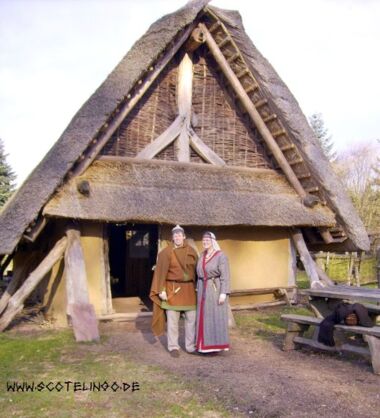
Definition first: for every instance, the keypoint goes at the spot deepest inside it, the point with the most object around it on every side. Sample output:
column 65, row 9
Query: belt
column 181, row 281
column 209, row 278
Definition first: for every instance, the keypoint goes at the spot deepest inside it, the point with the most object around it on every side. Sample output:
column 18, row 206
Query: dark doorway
column 132, row 254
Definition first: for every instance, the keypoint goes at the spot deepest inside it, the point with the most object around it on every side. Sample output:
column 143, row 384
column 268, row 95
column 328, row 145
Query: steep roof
column 27, row 203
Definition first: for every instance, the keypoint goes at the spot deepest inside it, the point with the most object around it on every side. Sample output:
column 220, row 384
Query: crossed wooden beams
column 181, row 131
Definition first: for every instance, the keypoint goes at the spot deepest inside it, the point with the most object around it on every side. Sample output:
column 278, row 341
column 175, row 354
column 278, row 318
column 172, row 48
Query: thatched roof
column 185, row 193
column 26, row 204
column 285, row 105
column 39, row 187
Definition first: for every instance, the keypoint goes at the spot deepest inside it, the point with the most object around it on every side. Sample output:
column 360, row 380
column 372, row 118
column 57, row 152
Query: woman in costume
column 213, row 289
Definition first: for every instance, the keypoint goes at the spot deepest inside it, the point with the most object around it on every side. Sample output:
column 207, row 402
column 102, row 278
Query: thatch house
column 195, row 127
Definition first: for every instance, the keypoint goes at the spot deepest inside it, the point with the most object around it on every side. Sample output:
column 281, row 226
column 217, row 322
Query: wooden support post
column 374, row 348
column 231, row 319
column 252, row 111
column 16, row 302
column 79, row 309
column 323, row 276
column 307, row 261
column 294, row 330
column 184, row 99
column 106, row 279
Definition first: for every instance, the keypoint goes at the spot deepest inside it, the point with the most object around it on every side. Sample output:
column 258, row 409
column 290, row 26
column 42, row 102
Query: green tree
column 7, row 176
column 321, row 132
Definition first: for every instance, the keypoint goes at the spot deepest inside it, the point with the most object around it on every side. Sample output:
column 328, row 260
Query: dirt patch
column 257, row 379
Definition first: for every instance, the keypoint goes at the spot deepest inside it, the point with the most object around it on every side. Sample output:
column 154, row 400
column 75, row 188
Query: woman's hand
column 222, row 298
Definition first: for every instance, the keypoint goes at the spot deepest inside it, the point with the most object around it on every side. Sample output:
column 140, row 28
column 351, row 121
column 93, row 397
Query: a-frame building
column 194, row 127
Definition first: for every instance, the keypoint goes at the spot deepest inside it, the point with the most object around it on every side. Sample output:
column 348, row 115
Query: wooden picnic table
column 324, row 300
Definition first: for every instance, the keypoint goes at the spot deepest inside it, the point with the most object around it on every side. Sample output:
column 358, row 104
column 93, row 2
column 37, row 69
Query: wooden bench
column 299, row 324
column 278, row 292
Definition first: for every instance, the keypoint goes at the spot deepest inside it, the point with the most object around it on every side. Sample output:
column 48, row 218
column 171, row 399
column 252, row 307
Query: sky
column 55, row 53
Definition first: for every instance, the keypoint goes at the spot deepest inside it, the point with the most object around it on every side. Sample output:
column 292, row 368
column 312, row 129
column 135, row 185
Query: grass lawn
column 54, row 357
column 266, row 323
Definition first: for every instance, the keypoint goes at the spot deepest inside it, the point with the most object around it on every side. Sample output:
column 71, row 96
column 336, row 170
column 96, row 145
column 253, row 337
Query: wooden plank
column 301, row 319
column 16, row 302
column 127, row 108
column 252, row 111
column 85, row 323
column 79, row 309
column 331, row 292
column 203, row 150
column 260, row 291
column 163, row 140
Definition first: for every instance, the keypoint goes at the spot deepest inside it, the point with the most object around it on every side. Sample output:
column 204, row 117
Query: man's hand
column 222, row 298
column 163, row 295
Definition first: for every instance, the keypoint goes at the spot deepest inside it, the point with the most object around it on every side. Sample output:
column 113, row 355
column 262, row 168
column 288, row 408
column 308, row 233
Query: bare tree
column 359, row 169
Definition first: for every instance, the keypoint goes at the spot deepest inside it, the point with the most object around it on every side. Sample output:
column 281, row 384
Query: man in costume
column 173, row 291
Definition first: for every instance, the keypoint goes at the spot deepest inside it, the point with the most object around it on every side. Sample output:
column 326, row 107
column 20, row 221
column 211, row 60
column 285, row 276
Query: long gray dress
column 212, row 319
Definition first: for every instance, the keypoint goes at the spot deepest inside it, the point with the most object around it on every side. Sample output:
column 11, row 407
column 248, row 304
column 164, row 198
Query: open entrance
column 132, row 254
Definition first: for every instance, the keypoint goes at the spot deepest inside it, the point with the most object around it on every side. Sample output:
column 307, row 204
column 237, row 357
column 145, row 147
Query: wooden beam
column 182, row 146
column 126, row 109
column 184, row 99
column 306, row 258
column 203, row 150
column 5, row 263
column 326, row 235
column 106, row 276
column 260, row 291
column 79, row 309
column 16, row 302
column 163, row 140
column 195, row 41
column 35, row 230
column 252, row 111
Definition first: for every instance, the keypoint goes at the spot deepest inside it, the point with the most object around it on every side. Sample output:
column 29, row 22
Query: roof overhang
column 121, row 190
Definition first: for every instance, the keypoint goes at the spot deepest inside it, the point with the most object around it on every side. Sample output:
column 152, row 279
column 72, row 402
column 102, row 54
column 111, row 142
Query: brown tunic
column 175, row 273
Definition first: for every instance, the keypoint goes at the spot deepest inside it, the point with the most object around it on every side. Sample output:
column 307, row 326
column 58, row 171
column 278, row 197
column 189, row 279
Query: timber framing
column 181, row 131
column 98, row 119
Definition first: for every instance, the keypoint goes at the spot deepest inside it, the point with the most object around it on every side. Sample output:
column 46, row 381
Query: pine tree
column 322, row 134
column 7, row 176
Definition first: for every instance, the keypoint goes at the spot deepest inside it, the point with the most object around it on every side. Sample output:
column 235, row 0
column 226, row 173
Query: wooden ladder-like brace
column 272, row 121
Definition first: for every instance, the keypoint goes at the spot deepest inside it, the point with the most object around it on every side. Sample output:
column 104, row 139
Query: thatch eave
column 186, row 193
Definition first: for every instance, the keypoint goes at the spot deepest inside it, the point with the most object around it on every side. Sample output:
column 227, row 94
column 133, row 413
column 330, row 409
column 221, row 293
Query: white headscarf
column 214, row 242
